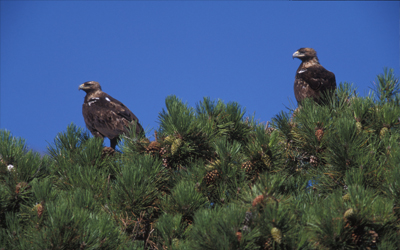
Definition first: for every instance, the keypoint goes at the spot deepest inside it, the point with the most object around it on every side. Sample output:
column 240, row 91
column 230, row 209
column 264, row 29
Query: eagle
column 311, row 78
column 105, row 116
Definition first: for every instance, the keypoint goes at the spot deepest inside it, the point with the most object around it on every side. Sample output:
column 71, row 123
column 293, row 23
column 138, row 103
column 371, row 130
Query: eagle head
column 305, row 54
column 89, row 86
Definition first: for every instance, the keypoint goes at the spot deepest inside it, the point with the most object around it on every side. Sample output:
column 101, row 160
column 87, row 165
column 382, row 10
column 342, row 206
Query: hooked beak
column 296, row 54
column 82, row 86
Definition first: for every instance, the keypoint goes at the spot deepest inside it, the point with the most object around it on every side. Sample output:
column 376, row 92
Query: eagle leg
column 113, row 142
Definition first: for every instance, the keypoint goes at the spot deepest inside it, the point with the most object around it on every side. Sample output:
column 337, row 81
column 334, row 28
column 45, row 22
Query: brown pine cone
column 258, row 200
column 239, row 235
column 319, row 133
column 153, row 147
column 313, row 160
column 247, row 166
column 21, row 185
column 211, row 177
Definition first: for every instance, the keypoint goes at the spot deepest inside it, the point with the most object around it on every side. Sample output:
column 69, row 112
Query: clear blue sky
column 143, row 51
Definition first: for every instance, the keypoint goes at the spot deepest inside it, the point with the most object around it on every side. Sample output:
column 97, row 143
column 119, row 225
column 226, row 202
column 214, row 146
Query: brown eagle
column 105, row 116
column 311, row 78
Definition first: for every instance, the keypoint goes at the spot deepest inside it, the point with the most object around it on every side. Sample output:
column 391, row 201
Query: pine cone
column 374, row 236
column 258, row 200
column 276, row 235
column 319, row 133
column 154, row 147
column 247, row 166
column 211, row 177
column 21, row 185
column 176, row 145
column 239, row 235
column 313, row 161
column 359, row 126
column 175, row 242
column 39, row 209
column 107, row 151
column 349, row 212
column 383, row 131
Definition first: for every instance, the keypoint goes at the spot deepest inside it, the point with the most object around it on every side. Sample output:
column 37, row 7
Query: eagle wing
column 318, row 78
column 107, row 117
column 311, row 81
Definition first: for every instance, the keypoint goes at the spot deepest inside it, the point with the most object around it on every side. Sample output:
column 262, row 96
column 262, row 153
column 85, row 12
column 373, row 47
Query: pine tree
column 319, row 177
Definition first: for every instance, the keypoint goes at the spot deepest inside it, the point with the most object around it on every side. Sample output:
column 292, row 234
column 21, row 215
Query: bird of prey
column 105, row 116
column 311, row 78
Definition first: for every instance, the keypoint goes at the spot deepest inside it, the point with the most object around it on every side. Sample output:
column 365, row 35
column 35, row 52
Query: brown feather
column 105, row 116
column 311, row 78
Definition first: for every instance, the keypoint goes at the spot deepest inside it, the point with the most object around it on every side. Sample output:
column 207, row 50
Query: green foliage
column 222, row 119
column 217, row 228
column 69, row 226
column 387, row 87
column 178, row 117
column 12, row 149
column 319, row 177
column 136, row 187
column 171, row 229
column 75, row 147
column 184, row 199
